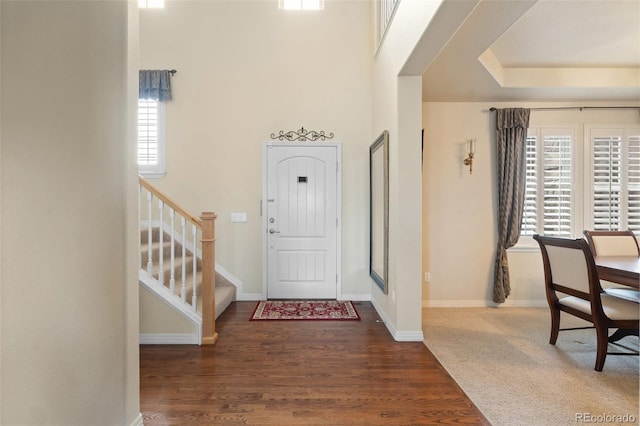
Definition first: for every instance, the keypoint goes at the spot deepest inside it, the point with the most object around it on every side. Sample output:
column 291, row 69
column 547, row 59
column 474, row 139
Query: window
column 151, row 138
column 151, row 4
column 549, row 183
column 609, row 165
column 301, row 4
column 614, row 179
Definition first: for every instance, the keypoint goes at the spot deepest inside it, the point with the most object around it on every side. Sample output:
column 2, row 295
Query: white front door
column 301, row 221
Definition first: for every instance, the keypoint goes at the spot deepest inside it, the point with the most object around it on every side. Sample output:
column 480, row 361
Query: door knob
column 273, row 231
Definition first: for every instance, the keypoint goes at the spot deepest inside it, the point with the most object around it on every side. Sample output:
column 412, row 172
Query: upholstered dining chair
column 572, row 286
column 615, row 243
column 612, row 243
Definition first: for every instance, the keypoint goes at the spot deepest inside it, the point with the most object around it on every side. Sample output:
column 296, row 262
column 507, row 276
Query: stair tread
column 221, row 282
column 166, row 252
column 224, row 296
column 225, row 291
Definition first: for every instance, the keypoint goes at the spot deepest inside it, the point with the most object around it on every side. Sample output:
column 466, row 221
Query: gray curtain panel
column 511, row 136
column 155, row 85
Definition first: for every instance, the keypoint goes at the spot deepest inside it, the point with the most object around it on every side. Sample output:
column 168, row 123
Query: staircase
column 225, row 292
column 177, row 261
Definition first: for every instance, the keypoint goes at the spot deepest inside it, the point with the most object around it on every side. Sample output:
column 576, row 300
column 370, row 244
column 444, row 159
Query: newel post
column 209, row 335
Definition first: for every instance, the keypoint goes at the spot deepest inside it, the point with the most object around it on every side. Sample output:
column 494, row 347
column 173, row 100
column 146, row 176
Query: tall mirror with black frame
column 379, row 211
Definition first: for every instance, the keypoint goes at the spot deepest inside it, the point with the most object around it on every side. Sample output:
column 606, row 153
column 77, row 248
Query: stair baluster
column 149, row 234
column 172, row 281
column 194, row 294
column 139, row 227
column 161, row 240
column 183, row 282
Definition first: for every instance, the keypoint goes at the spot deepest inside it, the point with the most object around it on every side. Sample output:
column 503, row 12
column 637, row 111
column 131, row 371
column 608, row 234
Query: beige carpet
column 502, row 359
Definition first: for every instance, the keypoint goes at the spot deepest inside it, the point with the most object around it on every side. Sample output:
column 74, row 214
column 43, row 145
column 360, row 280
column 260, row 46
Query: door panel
column 302, row 222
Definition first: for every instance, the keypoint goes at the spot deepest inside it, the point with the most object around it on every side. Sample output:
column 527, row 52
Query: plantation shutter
column 529, row 224
column 557, row 182
column 615, row 179
column 633, row 189
column 611, row 181
column 607, row 185
column 147, row 132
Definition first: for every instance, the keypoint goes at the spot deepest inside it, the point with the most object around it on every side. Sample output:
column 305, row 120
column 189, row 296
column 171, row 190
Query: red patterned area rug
column 305, row 310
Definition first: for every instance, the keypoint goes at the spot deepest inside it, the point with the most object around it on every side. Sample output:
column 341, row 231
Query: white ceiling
column 556, row 50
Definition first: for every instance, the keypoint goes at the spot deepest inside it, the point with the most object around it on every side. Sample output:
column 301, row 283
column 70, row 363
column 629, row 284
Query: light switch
column 238, row 217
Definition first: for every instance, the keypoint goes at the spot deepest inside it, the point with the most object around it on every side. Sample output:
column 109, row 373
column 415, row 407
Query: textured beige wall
column 460, row 209
column 156, row 317
column 132, row 239
column 247, row 69
column 65, row 347
column 397, row 103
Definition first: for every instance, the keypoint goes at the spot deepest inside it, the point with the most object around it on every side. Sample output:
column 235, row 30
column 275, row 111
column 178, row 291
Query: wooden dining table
column 623, row 270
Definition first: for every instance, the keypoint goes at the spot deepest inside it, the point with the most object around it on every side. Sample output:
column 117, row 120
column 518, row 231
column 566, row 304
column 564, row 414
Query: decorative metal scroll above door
column 302, row 135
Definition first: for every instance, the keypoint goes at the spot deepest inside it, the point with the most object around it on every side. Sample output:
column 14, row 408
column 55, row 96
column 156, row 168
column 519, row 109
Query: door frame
column 263, row 208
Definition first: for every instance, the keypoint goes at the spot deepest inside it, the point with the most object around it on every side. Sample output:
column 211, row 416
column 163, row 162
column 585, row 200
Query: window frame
column 159, row 170
column 526, row 242
column 301, row 4
column 591, row 131
column 582, row 168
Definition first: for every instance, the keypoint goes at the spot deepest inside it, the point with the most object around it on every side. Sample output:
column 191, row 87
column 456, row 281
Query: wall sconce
column 471, row 150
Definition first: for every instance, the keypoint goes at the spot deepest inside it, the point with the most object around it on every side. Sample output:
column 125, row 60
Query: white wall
column 132, row 413
column 247, row 69
column 460, row 209
column 67, row 350
column 397, row 108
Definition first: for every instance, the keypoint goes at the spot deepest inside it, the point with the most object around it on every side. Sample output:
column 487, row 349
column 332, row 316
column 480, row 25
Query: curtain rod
column 172, row 72
column 579, row 108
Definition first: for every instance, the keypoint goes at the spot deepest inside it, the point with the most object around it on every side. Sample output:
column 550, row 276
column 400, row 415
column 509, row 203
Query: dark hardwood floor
column 299, row 372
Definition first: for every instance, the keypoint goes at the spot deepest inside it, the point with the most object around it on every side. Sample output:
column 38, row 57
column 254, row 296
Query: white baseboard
column 521, row 304
column 409, row 336
column 138, row 421
column 398, row 336
column 249, row 297
column 168, row 339
column 483, row 304
column 356, row 297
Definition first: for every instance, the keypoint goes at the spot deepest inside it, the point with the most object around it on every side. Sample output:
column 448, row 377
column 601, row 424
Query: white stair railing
column 153, row 224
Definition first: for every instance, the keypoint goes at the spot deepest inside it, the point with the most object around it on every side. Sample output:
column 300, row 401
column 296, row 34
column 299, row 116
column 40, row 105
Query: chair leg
column 602, row 343
column 555, row 324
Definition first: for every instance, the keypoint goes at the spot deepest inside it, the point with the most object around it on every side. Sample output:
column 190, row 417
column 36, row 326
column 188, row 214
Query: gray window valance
column 155, row 85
